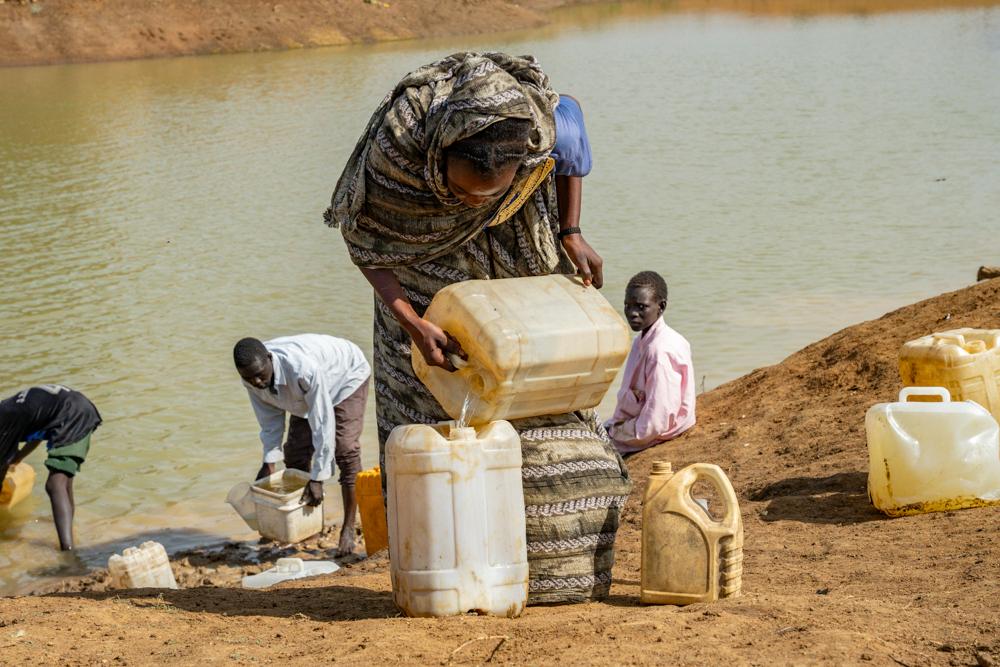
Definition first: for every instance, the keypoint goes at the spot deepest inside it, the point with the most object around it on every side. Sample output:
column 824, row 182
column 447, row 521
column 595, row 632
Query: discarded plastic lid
column 287, row 569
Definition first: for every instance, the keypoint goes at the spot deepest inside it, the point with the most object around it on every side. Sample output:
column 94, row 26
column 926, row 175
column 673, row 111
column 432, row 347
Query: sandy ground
column 827, row 579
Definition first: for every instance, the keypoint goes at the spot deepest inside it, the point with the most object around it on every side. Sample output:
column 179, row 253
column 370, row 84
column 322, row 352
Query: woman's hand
column 435, row 345
column 588, row 263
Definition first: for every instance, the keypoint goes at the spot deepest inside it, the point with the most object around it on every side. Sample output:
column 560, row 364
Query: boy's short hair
column 652, row 281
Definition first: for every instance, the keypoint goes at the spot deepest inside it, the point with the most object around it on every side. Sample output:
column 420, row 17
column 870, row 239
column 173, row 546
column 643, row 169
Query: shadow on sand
column 841, row 498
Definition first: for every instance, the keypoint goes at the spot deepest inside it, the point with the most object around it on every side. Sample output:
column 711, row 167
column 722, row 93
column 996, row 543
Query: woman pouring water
column 471, row 168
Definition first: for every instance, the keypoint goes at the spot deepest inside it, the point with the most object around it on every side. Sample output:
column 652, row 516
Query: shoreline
column 52, row 32
column 826, row 579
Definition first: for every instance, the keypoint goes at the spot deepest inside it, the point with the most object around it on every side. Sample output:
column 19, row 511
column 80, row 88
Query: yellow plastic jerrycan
column 930, row 457
column 373, row 525
column 687, row 556
column 966, row 362
column 17, row 485
column 457, row 540
column 537, row 346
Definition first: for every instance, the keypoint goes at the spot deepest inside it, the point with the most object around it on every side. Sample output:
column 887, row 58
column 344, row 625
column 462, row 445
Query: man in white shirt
column 323, row 382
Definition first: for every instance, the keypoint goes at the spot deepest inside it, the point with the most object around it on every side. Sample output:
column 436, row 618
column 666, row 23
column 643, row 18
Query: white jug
column 146, row 566
column 456, row 519
column 932, row 456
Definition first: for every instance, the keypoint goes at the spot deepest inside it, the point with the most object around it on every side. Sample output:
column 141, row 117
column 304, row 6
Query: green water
column 789, row 176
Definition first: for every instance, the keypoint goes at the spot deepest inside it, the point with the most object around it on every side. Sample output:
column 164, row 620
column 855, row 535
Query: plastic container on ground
column 931, row 456
column 687, row 556
column 146, row 566
column 17, row 485
column 281, row 515
column 966, row 362
column 241, row 499
column 372, row 509
column 286, row 569
column 456, row 520
column 537, row 346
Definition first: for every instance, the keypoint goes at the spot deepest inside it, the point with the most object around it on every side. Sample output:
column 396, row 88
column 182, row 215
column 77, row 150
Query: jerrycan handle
column 948, row 337
column 941, row 392
column 722, row 484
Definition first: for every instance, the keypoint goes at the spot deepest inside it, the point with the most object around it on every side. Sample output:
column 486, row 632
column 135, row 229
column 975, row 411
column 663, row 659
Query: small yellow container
column 17, row 485
column 373, row 525
column 966, row 362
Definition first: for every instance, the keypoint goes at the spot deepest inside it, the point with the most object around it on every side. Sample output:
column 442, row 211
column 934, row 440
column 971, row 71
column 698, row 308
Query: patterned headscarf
column 392, row 202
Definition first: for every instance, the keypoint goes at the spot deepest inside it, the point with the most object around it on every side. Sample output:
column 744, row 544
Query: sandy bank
column 827, row 579
column 64, row 31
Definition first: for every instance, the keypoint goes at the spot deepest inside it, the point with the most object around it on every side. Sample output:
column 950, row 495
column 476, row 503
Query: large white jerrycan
column 456, row 519
column 931, row 456
column 537, row 346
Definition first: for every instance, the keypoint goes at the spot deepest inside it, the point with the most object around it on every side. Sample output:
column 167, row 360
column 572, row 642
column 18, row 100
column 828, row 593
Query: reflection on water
column 788, row 177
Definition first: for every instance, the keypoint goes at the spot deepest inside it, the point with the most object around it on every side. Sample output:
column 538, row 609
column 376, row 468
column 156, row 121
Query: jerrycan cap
column 662, row 468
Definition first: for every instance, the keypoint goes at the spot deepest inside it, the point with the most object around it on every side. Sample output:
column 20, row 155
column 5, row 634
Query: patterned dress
column 395, row 212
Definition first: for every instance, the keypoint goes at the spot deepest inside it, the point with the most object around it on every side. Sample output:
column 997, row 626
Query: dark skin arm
column 20, row 456
column 590, row 266
column 266, row 470
column 434, row 344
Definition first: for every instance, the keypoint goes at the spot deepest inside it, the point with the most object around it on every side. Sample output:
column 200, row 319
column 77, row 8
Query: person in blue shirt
column 472, row 169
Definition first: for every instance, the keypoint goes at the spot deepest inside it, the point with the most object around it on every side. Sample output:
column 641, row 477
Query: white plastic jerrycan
column 687, row 556
column 456, row 519
column 932, row 456
column 241, row 499
column 966, row 362
column 146, row 566
column 537, row 346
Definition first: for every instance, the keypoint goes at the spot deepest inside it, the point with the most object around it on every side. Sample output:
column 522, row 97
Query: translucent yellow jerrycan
column 537, row 346
column 931, row 456
column 372, row 509
column 456, row 520
column 966, row 362
column 687, row 556
column 16, row 485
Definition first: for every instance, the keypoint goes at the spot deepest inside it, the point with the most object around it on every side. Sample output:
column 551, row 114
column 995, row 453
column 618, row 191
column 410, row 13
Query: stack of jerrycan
column 536, row 346
column 687, row 556
column 931, row 456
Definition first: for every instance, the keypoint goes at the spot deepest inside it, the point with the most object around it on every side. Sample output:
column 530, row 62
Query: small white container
column 146, row 566
column 456, row 520
column 287, row 569
column 932, row 456
column 282, row 516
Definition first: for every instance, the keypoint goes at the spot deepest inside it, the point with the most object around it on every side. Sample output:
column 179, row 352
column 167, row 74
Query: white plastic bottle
column 146, row 566
column 456, row 519
column 932, row 456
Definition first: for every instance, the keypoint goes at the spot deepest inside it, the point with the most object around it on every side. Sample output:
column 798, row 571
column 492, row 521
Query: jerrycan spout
column 457, row 432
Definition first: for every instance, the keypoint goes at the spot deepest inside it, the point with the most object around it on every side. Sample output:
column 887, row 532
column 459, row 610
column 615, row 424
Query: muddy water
column 789, row 175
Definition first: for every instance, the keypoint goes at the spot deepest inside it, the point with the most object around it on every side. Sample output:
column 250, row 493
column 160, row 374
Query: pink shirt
column 656, row 400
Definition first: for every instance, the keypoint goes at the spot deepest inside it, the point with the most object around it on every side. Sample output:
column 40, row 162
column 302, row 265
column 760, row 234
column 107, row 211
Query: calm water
column 789, row 176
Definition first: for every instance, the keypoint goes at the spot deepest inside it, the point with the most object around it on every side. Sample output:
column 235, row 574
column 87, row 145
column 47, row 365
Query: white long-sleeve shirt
column 312, row 373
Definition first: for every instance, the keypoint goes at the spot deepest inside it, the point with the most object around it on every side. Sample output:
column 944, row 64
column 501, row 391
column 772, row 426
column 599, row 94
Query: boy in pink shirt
column 656, row 399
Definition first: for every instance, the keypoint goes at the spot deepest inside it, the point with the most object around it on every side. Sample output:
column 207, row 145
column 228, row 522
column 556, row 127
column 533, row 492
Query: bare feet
column 346, row 545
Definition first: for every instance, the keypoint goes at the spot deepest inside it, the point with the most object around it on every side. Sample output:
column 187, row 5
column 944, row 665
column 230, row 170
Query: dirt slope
column 57, row 31
column 827, row 579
